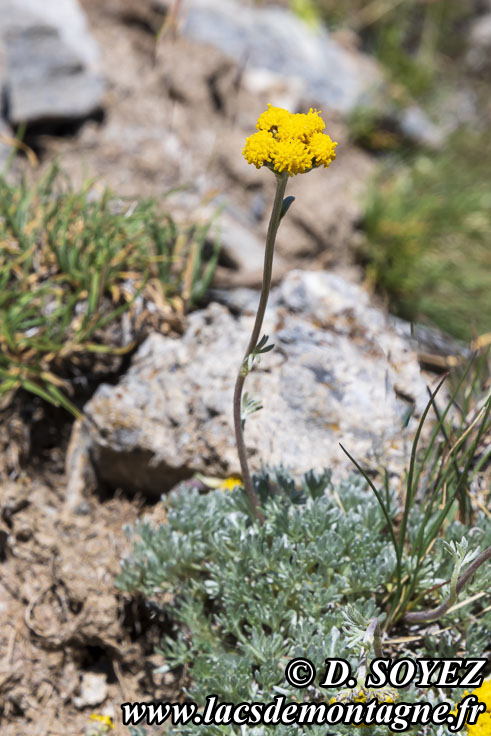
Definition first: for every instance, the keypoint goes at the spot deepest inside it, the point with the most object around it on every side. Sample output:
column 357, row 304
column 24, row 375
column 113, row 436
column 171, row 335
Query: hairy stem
column 372, row 638
column 281, row 181
column 422, row 617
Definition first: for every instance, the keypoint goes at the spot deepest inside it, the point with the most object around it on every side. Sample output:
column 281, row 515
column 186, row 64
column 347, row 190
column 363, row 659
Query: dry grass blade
column 71, row 265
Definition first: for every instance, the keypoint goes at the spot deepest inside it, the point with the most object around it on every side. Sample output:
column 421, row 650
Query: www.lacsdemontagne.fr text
column 398, row 717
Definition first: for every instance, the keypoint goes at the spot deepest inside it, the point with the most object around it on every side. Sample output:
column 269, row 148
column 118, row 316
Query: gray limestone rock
column 5, row 145
column 49, row 70
column 282, row 59
column 338, row 373
column 66, row 16
column 243, row 252
column 275, row 40
column 417, row 126
column 479, row 41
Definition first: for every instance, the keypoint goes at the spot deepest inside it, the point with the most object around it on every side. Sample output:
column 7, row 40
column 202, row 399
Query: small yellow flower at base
column 289, row 142
column 231, row 482
column 483, row 725
column 105, row 721
column 365, row 695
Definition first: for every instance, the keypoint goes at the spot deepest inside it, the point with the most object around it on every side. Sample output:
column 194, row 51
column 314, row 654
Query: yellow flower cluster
column 483, row 725
column 105, row 721
column 292, row 142
column 230, row 483
column 365, row 695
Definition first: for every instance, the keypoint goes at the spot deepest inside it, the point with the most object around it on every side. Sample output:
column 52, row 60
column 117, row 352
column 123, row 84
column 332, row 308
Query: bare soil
column 62, row 621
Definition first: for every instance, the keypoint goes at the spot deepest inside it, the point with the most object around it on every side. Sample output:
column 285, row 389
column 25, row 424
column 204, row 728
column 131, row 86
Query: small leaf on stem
column 287, row 203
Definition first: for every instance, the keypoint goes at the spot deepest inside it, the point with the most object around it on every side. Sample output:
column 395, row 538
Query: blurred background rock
column 154, row 95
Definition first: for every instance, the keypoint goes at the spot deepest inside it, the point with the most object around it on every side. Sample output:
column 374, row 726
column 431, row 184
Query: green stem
column 372, row 638
column 281, row 181
column 423, row 617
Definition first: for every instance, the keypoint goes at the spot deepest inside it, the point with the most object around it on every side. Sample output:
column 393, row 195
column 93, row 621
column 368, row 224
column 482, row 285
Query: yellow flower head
column 231, row 482
column 260, row 148
column 273, row 118
column 322, row 149
column 293, row 156
column 305, row 126
column 483, row 725
column 292, row 142
column 105, row 721
column 363, row 694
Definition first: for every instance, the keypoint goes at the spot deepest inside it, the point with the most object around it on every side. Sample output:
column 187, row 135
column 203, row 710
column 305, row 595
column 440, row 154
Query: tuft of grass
column 413, row 39
column 428, row 224
column 71, row 264
column 443, row 477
